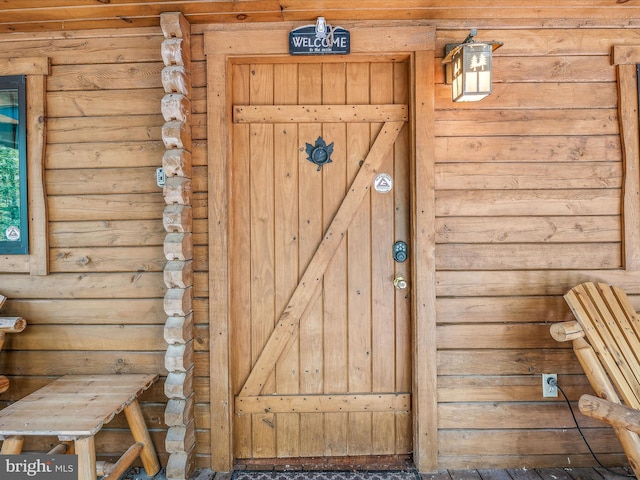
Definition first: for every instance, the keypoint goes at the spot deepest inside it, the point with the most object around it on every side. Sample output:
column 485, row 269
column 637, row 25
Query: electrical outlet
column 549, row 390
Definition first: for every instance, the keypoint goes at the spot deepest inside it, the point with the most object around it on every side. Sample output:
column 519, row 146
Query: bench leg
column 140, row 433
column 86, row 451
column 12, row 445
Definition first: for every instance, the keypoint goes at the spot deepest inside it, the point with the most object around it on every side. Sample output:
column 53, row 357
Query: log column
column 178, row 245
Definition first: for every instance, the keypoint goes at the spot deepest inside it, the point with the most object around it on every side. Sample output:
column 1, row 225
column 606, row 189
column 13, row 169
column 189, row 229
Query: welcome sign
column 319, row 39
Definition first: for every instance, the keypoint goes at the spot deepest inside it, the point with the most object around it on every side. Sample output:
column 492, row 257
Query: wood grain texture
column 526, row 203
column 318, row 265
column 71, row 14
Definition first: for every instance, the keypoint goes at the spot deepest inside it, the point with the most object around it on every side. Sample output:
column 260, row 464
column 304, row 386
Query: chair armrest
column 612, row 413
column 566, row 331
column 12, row 324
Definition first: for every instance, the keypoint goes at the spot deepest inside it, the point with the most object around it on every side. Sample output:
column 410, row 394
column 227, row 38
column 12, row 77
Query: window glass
column 14, row 234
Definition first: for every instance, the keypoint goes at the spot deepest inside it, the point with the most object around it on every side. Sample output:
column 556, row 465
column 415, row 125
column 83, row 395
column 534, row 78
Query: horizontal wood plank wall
column 528, row 202
column 528, row 189
column 101, row 308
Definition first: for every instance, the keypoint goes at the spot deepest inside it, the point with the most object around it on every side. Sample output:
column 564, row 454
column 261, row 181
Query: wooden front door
column 313, row 351
column 320, row 337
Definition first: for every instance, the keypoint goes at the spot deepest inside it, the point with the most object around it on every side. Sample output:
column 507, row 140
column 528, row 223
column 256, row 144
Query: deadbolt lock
column 400, row 251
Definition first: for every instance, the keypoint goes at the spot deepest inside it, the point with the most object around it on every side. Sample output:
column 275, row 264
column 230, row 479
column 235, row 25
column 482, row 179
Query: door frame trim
column 414, row 40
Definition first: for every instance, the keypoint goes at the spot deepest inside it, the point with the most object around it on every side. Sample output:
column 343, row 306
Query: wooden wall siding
column 528, row 204
column 100, row 310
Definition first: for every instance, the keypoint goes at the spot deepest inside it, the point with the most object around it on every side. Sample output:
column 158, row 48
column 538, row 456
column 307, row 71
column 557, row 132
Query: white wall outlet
column 549, row 389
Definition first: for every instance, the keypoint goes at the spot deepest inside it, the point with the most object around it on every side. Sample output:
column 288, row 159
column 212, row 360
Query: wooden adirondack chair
column 606, row 340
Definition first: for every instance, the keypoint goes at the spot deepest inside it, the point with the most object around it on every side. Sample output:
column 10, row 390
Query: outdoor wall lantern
column 468, row 68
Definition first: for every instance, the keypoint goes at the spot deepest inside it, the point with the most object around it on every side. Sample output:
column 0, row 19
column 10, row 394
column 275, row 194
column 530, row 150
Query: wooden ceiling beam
column 60, row 15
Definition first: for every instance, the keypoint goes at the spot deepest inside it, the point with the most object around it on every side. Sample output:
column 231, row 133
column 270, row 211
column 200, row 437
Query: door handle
column 400, row 282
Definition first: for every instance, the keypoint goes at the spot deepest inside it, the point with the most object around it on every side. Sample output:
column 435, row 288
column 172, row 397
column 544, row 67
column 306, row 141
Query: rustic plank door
column 337, row 381
column 314, row 352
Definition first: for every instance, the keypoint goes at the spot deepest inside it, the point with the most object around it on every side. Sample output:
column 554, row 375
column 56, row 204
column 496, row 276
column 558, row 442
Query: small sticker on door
column 383, row 183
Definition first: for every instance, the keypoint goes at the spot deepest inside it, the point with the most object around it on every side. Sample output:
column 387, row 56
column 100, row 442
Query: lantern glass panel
column 471, row 72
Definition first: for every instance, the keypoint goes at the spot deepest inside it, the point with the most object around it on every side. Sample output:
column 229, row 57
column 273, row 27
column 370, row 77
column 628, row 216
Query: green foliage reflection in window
column 14, row 223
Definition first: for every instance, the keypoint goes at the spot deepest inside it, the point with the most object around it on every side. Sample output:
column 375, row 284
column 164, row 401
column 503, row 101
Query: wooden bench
column 74, row 408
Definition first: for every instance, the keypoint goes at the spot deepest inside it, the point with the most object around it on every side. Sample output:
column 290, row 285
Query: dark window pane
column 13, row 175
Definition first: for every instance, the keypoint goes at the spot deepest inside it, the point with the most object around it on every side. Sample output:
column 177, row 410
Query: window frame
column 36, row 70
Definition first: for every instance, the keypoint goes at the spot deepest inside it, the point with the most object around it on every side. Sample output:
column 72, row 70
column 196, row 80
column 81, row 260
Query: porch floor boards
column 533, row 474
column 618, row 473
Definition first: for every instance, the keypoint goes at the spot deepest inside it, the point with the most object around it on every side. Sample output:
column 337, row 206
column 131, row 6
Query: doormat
column 326, row 475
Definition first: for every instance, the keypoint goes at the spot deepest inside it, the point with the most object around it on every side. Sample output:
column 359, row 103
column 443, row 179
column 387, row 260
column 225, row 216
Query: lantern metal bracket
column 451, row 48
